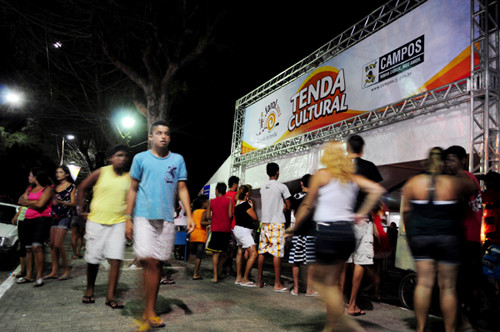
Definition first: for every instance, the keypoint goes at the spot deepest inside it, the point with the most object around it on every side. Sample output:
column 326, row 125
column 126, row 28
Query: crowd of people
column 332, row 226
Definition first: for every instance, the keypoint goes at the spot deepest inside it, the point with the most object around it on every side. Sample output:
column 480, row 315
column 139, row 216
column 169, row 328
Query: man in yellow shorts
column 274, row 195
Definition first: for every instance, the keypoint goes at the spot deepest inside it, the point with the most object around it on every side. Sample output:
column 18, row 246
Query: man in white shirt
column 275, row 197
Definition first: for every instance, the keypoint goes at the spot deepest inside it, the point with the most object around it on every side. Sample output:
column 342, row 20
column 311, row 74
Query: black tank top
column 434, row 217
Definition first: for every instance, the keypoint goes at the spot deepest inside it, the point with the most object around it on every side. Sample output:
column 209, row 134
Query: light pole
column 64, row 138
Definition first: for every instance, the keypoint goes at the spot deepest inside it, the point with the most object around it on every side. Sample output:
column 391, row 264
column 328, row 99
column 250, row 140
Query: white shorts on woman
column 243, row 236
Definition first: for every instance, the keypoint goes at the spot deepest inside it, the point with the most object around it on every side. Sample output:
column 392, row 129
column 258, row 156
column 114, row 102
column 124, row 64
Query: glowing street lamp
column 124, row 123
column 11, row 97
column 128, row 122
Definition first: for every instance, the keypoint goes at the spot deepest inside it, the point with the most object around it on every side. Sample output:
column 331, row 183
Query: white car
column 9, row 240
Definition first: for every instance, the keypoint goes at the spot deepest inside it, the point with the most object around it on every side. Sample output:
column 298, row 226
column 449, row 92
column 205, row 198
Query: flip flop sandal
column 155, row 322
column 38, row 283
column 63, row 277
column 114, row 304
column 18, row 275
column 167, row 281
column 358, row 313
column 88, row 299
column 282, row 290
column 47, row 277
column 24, row 280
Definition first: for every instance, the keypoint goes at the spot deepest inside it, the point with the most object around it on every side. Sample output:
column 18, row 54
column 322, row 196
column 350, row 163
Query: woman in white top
column 332, row 195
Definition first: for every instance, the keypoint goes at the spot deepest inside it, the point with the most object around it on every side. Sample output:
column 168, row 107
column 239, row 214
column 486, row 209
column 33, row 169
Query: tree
column 152, row 46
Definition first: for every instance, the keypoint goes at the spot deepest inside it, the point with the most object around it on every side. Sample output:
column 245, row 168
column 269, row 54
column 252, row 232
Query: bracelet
column 128, row 216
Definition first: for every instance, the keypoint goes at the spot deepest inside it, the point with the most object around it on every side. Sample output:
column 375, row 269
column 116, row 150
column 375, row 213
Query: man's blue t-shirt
column 158, row 179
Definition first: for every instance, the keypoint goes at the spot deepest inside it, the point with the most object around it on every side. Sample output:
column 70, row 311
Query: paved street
column 187, row 305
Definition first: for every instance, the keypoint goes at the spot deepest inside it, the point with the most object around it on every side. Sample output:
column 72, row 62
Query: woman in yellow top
column 105, row 228
column 198, row 237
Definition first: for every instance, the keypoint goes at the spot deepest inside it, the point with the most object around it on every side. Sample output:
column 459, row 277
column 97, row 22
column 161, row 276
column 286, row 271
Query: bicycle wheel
column 406, row 290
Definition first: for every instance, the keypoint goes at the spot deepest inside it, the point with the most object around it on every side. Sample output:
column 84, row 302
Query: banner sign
column 426, row 48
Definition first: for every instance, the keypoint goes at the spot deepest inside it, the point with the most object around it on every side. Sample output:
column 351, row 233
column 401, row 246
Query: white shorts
column 153, row 238
column 104, row 242
column 363, row 253
column 243, row 236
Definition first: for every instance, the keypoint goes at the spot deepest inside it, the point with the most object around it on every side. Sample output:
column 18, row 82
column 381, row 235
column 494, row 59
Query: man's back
column 273, row 194
column 368, row 170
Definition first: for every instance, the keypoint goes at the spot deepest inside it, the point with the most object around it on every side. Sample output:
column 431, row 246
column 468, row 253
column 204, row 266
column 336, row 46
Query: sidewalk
column 187, row 305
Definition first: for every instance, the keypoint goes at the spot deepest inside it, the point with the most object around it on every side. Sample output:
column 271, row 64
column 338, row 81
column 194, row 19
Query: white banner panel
column 291, row 168
column 425, row 49
column 412, row 139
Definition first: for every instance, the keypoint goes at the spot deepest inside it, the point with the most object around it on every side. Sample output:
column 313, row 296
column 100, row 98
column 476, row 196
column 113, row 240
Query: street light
column 11, row 97
column 128, row 122
column 125, row 123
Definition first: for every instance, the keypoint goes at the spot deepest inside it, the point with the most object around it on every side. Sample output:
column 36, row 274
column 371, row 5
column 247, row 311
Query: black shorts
column 22, row 234
column 37, row 231
column 219, row 242
column 441, row 248
column 335, row 242
column 198, row 249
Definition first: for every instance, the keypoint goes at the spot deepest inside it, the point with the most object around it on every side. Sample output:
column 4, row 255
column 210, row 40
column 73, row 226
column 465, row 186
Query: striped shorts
column 272, row 239
column 303, row 250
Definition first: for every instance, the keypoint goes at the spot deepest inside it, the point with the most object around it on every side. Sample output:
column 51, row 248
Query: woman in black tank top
column 432, row 220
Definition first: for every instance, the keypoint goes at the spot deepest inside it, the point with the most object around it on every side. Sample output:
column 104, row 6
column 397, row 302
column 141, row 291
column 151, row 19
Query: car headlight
column 5, row 242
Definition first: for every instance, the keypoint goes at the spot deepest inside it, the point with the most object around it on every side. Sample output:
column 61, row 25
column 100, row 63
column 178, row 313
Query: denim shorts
column 64, row 223
column 335, row 242
column 440, row 248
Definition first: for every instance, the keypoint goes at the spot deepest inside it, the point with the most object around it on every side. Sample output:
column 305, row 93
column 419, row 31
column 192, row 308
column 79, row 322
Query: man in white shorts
column 105, row 227
column 275, row 197
column 155, row 174
column 362, row 257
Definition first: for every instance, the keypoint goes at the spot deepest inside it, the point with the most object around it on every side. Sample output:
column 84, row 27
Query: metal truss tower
column 481, row 90
column 484, row 87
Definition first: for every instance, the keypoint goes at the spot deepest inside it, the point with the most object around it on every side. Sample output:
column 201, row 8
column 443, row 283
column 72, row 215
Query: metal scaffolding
column 481, row 90
column 484, row 101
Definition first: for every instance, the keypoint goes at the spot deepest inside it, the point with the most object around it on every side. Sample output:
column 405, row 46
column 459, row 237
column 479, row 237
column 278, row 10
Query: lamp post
column 64, row 138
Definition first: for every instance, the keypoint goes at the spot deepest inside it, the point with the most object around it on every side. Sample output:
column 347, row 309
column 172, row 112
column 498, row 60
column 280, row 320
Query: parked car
column 9, row 240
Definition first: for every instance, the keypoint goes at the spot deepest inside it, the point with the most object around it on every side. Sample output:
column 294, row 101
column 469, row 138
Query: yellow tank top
column 109, row 200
